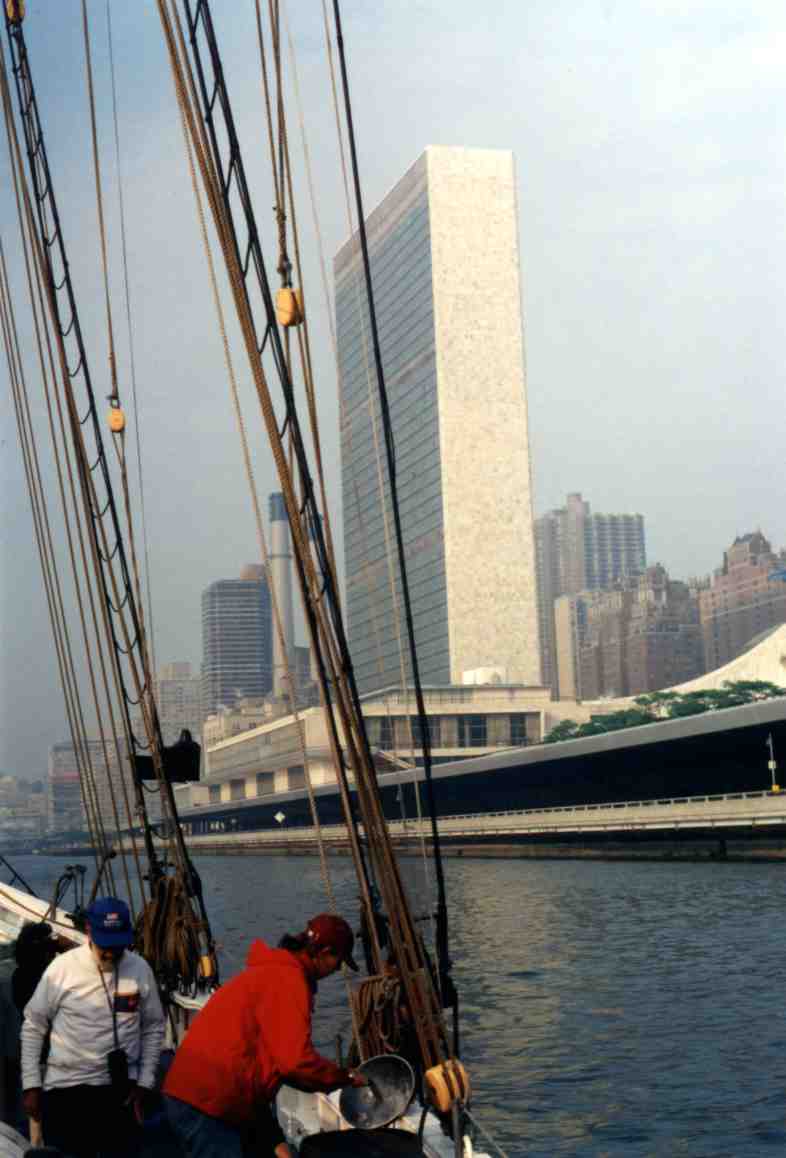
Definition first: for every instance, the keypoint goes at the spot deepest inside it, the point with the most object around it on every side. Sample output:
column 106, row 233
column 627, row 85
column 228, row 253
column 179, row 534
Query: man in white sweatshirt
column 100, row 1006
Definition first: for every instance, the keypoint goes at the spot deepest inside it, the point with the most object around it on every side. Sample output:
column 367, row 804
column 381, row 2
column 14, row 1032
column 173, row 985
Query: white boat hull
column 18, row 907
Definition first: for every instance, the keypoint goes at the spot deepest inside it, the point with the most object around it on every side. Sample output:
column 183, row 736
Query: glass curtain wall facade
column 399, row 238
column 236, row 642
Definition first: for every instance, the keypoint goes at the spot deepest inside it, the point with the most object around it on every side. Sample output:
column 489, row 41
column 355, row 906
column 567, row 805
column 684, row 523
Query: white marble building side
column 484, row 443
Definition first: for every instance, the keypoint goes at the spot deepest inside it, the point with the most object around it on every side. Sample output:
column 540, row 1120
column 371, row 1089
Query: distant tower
column 577, row 551
column 445, row 266
column 236, row 639
column 281, row 575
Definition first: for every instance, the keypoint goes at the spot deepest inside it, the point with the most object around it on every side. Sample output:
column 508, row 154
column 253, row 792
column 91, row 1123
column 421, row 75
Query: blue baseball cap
column 110, row 923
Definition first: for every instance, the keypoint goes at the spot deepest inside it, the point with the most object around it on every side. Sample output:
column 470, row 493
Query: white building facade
column 445, row 267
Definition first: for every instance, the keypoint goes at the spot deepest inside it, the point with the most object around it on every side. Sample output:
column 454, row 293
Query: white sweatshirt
column 71, row 999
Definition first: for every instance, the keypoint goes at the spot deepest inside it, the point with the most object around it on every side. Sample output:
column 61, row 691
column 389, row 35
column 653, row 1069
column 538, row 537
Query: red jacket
column 253, row 1034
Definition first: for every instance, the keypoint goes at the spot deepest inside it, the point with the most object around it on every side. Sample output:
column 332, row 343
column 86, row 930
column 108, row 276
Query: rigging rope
column 303, row 332
column 492, row 1141
column 27, row 228
column 383, row 502
column 36, row 498
column 100, row 206
column 47, row 248
column 339, row 689
column 82, row 745
column 72, row 697
column 344, row 424
column 249, row 470
column 442, row 933
column 188, row 100
column 127, row 648
column 118, row 433
column 347, row 427
column 129, row 326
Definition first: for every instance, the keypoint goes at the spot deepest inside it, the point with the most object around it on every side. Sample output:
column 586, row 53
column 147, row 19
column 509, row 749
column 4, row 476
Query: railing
column 663, row 801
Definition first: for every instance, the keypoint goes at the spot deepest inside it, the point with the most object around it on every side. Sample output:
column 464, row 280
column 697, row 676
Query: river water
column 608, row 1008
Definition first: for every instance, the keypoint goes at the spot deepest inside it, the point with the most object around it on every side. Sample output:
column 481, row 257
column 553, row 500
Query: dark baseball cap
column 327, row 931
column 110, row 923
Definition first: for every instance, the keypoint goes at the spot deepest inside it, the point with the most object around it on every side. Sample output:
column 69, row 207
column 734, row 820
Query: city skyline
column 177, row 703
column 653, row 266
column 580, row 550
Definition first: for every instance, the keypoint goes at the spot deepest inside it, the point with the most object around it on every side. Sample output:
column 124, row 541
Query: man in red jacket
column 253, row 1035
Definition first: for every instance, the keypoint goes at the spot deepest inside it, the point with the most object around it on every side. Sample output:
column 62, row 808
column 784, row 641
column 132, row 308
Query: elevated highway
column 704, row 818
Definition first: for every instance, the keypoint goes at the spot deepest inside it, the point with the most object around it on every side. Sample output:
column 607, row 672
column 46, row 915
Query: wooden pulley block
column 289, row 306
column 117, row 420
column 446, row 1084
column 15, row 10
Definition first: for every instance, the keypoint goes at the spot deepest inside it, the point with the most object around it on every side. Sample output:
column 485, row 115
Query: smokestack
column 281, row 574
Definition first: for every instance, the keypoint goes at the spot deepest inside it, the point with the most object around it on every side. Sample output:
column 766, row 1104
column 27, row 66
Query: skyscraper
column 236, row 639
column 445, row 267
column 578, row 551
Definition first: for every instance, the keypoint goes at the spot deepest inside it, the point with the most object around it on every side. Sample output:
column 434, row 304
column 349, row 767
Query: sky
column 649, row 148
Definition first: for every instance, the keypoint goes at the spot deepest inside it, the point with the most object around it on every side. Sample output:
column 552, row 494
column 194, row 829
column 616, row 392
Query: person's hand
column 32, row 1102
column 357, row 1080
column 137, row 1102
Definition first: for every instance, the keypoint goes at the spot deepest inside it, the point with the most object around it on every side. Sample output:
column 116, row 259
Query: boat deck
column 362, row 1144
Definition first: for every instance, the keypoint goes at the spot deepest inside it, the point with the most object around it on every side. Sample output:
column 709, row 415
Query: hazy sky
column 649, row 144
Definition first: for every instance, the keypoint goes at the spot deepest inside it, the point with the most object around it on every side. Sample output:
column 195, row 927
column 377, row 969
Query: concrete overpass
column 701, row 818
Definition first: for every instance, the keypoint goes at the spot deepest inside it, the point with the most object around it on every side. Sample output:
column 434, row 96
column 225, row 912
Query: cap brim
column 123, row 939
column 352, row 963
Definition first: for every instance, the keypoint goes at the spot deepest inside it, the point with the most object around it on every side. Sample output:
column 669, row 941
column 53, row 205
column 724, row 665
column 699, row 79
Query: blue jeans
column 201, row 1136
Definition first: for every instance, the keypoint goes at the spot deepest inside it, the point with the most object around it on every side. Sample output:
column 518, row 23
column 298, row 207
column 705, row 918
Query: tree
column 656, row 704
column 629, row 718
column 755, row 690
column 596, row 726
column 692, row 704
column 564, row 730
column 668, row 705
